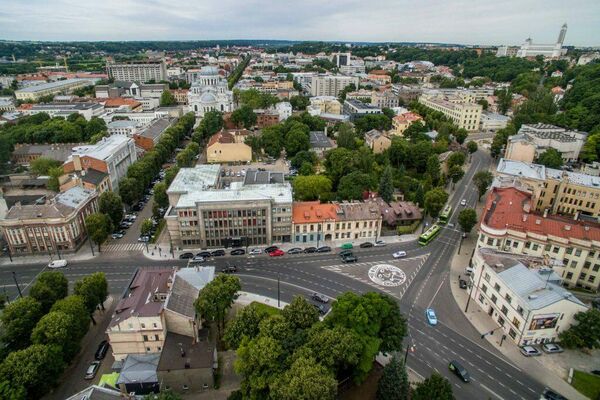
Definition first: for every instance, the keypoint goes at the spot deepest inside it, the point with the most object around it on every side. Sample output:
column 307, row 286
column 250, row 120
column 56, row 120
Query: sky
column 492, row 22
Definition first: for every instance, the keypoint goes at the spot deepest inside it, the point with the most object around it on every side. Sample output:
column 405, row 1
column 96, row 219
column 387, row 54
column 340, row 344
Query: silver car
column 529, row 351
column 551, row 348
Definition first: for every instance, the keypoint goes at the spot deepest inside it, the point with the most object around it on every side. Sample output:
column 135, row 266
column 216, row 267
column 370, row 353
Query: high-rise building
column 341, row 59
column 137, row 71
column 331, row 85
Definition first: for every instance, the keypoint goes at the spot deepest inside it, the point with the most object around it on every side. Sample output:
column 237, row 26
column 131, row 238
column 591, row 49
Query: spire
column 562, row 34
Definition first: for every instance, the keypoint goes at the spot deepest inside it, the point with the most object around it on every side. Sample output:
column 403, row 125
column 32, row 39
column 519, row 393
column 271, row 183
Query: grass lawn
column 587, row 384
column 269, row 309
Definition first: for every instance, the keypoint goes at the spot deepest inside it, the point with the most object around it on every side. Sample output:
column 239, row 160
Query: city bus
column 445, row 215
column 429, row 234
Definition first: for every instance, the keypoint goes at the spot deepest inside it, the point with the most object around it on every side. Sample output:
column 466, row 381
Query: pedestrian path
column 115, row 248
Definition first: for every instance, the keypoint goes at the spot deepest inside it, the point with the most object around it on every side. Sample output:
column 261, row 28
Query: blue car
column 431, row 318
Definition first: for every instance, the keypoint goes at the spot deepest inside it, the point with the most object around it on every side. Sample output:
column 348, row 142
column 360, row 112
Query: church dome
column 208, row 97
column 209, row 70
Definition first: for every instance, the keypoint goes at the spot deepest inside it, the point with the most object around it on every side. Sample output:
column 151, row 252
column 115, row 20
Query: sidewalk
column 538, row 367
column 84, row 253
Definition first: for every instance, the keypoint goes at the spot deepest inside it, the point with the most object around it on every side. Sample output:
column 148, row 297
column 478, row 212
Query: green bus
column 429, row 234
column 445, row 215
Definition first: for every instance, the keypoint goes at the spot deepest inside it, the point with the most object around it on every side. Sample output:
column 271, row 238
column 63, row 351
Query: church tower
column 562, row 34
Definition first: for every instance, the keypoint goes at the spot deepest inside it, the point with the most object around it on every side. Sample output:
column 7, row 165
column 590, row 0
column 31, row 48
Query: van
column 57, row 264
column 469, row 271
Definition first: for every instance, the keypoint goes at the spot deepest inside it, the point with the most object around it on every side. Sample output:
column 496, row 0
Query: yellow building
column 228, row 146
column 377, row 141
column 464, row 114
column 401, row 122
column 327, row 104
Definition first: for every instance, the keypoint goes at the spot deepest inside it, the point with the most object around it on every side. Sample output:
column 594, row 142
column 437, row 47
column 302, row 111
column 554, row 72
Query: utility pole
column 278, row 292
column 408, row 347
column 17, row 283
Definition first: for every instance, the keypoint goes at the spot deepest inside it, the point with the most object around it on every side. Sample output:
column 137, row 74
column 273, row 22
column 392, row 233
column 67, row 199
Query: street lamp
column 412, row 349
column 17, row 283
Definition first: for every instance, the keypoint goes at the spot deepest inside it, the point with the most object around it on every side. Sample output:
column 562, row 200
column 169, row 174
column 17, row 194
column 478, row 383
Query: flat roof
column 319, row 139
column 541, row 172
column 53, row 85
column 102, row 150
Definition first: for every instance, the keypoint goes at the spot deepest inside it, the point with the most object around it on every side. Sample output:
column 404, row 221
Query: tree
column 271, row 140
column 482, row 180
column 433, row 168
column 346, row 137
column 467, row 219
column 373, row 121
column 435, row 199
column 472, row 147
column 98, row 227
column 56, row 328
column 550, row 158
column 160, row 195
column 584, row 334
column 93, row 289
column 302, row 157
column 349, row 88
column 296, row 140
column 167, row 99
column 456, row 173
column 111, row 205
column 461, row 135
column 216, row 298
column 130, row 190
column 393, row 384
column 42, row 165
column 311, row 187
column 504, row 100
column 211, row 123
column 245, row 324
column 435, row 387
column 337, row 349
column 146, row 227
column 258, row 361
column 49, row 287
column 306, row 379
column 74, row 306
column 244, row 116
column 18, row 320
column 306, row 169
column 300, row 314
column 386, row 185
column 34, row 369
column 299, row 102
column 456, row 158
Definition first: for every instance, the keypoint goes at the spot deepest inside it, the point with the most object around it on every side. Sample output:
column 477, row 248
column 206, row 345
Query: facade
column 122, row 127
column 356, row 109
column 523, row 296
column 202, row 214
column 509, row 224
column 111, row 155
column 91, row 179
column 320, row 143
column 228, row 147
column 210, row 92
column 284, row 109
column 33, row 93
column 397, row 213
column 149, row 136
column 464, row 115
column 7, row 104
column 492, row 122
column 377, row 141
column 530, row 49
column 181, row 95
column 58, row 225
column 138, row 71
column 331, row 85
column 87, row 110
column 326, row 104
column 401, row 122
column 24, row 154
column 384, row 99
column 265, row 118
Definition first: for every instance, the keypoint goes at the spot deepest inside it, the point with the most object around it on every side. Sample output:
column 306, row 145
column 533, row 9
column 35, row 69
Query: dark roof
column 261, row 177
column 187, row 284
column 319, row 139
column 156, row 128
column 96, row 393
column 93, row 176
column 195, row 355
column 139, row 368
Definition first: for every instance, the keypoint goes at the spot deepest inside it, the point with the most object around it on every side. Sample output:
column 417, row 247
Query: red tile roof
column 119, row 101
column 312, row 211
column 408, row 117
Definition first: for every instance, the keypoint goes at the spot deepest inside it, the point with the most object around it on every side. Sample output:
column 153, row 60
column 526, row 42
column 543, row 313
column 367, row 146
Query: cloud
column 450, row 21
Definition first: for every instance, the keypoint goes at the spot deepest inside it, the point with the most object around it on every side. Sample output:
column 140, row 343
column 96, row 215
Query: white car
column 57, row 264
column 255, row 251
column 463, row 202
column 399, row 254
column 380, row 243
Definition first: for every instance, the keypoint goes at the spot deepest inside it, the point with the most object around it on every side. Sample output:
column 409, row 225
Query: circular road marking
column 387, row 275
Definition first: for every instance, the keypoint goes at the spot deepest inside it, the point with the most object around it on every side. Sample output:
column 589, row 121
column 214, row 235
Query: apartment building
column 523, row 296
column 228, row 147
column 86, row 109
column 315, row 222
column 122, row 127
column 384, row 99
column 464, row 114
column 509, row 223
column 377, row 141
column 49, row 228
column 112, row 155
column 137, row 71
column 201, row 213
column 331, row 85
column 356, row 109
column 34, row 93
column 401, row 122
column 326, row 104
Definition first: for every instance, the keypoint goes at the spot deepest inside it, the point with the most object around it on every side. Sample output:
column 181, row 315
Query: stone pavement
column 84, row 253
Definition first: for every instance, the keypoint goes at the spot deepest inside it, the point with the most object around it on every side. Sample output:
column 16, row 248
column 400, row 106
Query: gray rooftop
column 96, row 392
column 186, row 285
column 319, row 139
column 73, row 107
column 104, row 149
column 139, row 368
column 54, row 85
column 157, row 127
column 199, row 178
column 122, row 123
column 254, row 177
column 361, row 106
column 540, row 172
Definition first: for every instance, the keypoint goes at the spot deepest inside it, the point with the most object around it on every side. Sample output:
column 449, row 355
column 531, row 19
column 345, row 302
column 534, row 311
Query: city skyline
column 459, row 22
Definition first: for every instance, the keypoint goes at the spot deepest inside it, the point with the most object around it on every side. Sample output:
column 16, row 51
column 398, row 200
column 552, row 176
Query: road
column 427, row 285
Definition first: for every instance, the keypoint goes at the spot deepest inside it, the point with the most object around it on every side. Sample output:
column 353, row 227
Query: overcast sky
column 446, row 21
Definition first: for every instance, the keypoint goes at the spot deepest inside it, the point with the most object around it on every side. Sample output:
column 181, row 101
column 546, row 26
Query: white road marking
column 491, row 391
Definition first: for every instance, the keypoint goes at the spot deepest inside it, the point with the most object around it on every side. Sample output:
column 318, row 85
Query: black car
column 137, row 207
column 186, row 256
column 552, row 395
column 321, row 298
column 238, row 252
column 231, row 269
column 205, row 254
column 366, row 245
column 218, row 253
column 459, row 370
column 462, row 284
column 310, row 250
column 320, row 308
column 295, row 250
column 345, row 253
column 271, row 249
column 324, row 249
column 102, row 349
column 349, row 259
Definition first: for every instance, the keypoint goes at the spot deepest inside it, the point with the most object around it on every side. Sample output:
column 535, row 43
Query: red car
column 276, row 253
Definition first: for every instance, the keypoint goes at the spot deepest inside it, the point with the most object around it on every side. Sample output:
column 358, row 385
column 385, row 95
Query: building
column 112, row 155
column 356, row 109
column 523, row 296
column 52, row 227
column 228, row 147
column 530, row 49
column 320, row 143
column 509, row 223
column 96, row 392
column 265, row 118
column 210, row 92
column 384, row 99
column 86, row 109
column 181, row 95
column 377, row 141
column 507, row 51
column 588, row 58
column 464, row 115
column 284, row 109
column 122, row 127
column 24, row 154
column 401, row 122
column 316, row 222
column 202, row 214
column 123, row 104
column 380, row 77
column 34, row 93
column 139, row 374
column 7, row 104
column 326, row 104
column 331, row 85
column 137, row 71
column 341, row 59
column 533, row 140
column 137, row 325
column 88, row 179
column 492, row 122
column 149, row 136
column 397, row 213
column 131, row 89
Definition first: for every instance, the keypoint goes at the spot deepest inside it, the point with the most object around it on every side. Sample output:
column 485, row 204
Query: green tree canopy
column 56, row 328
column 146, row 226
column 74, row 306
column 160, row 194
column 472, row 147
column 386, row 184
column 167, row 99
column 353, row 185
column 585, row 333
column 98, row 227
column 18, row 320
column 110, row 204
column 551, row 158
column 296, row 140
column 435, row 200
column 258, row 361
column 307, row 380
column 311, row 187
column 346, row 137
column 216, row 298
column 245, row 324
column 244, row 117
column 482, row 180
column 42, row 165
column 394, row 384
column 49, row 287
column 300, row 314
column 435, row 387
column 467, row 219
column 93, row 289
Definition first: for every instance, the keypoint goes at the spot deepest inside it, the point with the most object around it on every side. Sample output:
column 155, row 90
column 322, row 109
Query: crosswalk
column 120, row 247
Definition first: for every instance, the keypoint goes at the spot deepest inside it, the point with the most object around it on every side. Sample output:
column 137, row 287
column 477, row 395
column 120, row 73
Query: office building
column 331, row 85
column 384, row 99
column 34, row 93
column 122, row 127
column 530, row 49
column 340, row 59
column 356, row 109
column 137, row 71
column 465, row 115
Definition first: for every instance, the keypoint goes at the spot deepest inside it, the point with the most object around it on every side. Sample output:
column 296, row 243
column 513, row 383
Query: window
column 501, row 321
column 494, row 298
column 520, row 310
column 148, row 349
column 512, row 333
column 587, row 265
column 504, row 310
column 490, row 241
column 484, row 288
column 555, row 249
column 596, row 268
column 516, row 323
column 486, row 277
column 145, row 338
column 582, row 275
column 481, row 298
column 569, row 275
column 591, row 278
column 497, row 287
column 577, row 252
column 508, row 298
column 156, row 337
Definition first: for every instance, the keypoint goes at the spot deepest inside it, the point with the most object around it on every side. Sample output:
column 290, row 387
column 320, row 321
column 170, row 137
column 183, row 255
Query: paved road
column 427, row 286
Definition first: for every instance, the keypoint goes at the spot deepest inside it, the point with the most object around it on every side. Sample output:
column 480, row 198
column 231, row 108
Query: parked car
column 549, row 394
column 320, row 308
column 463, row 202
column 102, row 350
column 459, row 371
column 323, row 249
column 198, row 258
column 125, row 225
column 310, row 250
column 295, row 250
column 380, row 243
column 205, row 254
column 347, row 246
column 144, row 239
column 230, row 269
column 551, row 348
column 117, row 235
column 57, row 264
column 238, row 252
column 350, row 258
column 186, row 256
column 255, row 251
column 399, row 254
column 276, row 253
column 218, row 253
column 462, row 284
column 271, row 248
column 90, row 373
column 321, row 298
column 529, row 351
column 431, row 317
column 345, row 253
column 366, row 245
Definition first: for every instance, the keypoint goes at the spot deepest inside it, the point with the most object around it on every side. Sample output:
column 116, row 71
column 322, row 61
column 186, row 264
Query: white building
column 491, row 122
column 588, row 58
column 7, row 103
column 122, row 127
column 87, row 110
column 210, row 92
column 284, row 109
column 331, row 85
column 46, row 89
column 530, row 49
column 137, row 71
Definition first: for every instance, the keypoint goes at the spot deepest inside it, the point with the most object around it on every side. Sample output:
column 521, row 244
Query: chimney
column 546, row 213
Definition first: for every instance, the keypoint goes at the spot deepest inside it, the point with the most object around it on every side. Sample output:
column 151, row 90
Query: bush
column 408, row 229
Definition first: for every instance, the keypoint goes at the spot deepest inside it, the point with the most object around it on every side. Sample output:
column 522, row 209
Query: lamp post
column 410, row 347
column 17, row 284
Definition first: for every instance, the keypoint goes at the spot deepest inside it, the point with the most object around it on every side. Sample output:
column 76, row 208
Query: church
column 210, row 93
column 530, row 49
